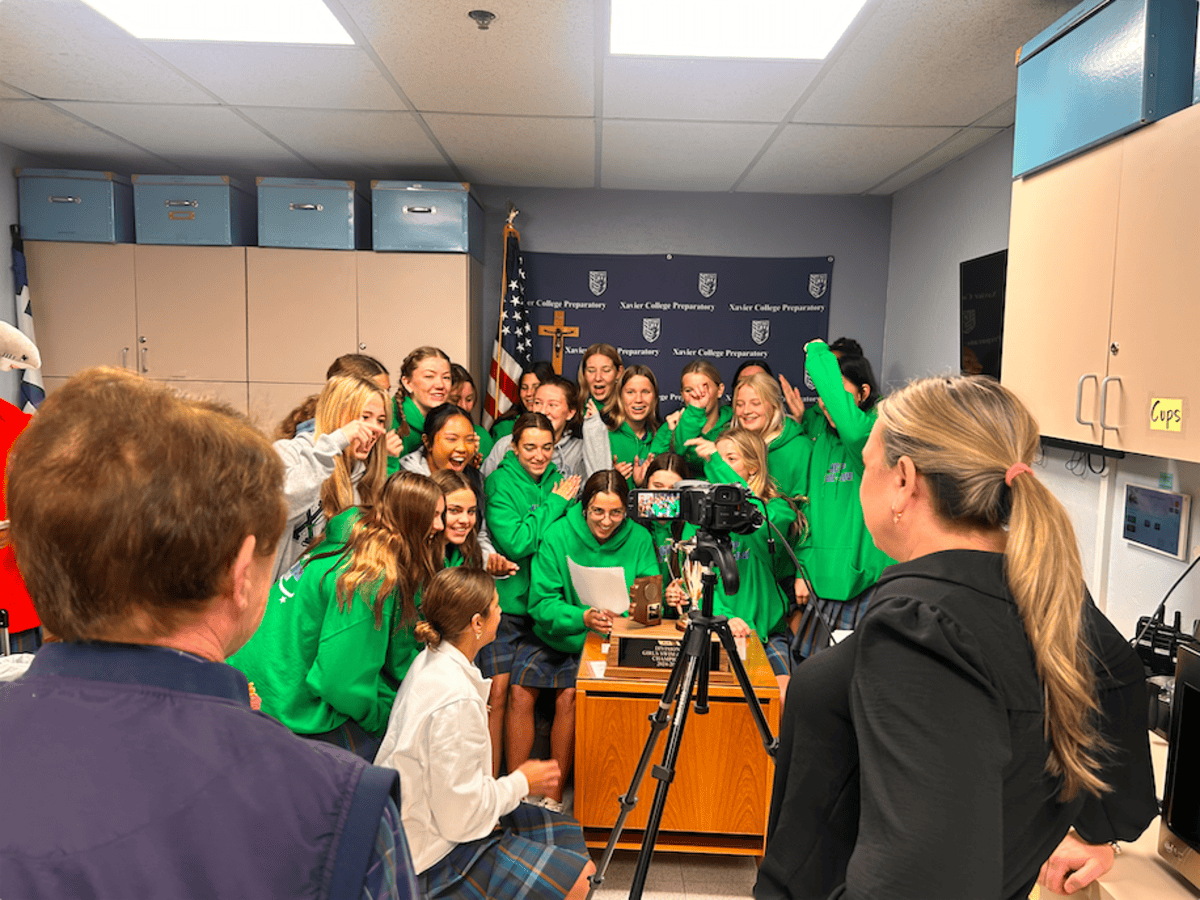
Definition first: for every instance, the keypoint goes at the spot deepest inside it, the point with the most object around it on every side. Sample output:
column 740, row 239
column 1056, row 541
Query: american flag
column 514, row 344
column 32, row 392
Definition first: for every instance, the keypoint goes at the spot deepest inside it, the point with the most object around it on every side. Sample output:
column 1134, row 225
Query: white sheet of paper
column 600, row 587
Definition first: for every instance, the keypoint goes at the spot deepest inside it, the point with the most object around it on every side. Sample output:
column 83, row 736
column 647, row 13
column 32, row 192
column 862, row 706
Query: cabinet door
column 408, row 300
column 1062, row 243
column 300, row 312
column 84, row 309
column 1156, row 316
column 191, row 304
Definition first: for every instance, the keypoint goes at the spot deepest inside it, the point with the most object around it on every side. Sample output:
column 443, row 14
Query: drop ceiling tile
column 42, row 128
column 193, row 133
column 705, row 89
column 348, row 140
column 1002, row 117
column 537, row 58
column 677, row 156
column 65, row 50
column 8, row 92
column 958, row 146
column 838, row 159
column 929, row 62
column 508, row 150
column 283, row 74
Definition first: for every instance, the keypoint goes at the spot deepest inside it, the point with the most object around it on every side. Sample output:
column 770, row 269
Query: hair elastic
column 1014, row 470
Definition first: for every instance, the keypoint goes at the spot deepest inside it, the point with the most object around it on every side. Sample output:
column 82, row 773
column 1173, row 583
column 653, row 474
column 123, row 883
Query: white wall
column 959, row 213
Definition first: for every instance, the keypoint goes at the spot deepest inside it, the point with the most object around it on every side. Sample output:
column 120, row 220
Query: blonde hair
column 963, row 434
column 343, row 400
column 617, row 414
column 702, row 367
column 768, row 391
column 585, row 392
column 753, row 449
column 389, row 549
column 452, row 599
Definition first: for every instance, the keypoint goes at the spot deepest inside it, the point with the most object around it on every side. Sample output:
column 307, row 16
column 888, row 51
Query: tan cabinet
column 84, row 305
column 1100, row 313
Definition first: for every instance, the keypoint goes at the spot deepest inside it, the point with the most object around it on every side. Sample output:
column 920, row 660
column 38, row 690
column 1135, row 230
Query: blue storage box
column 193, row 209
column 1104, row 69
column 428, row 216
column 75, row 205
column 310, row 212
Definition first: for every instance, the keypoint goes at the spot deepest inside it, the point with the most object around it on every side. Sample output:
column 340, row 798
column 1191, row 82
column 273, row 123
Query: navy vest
column 142, row 772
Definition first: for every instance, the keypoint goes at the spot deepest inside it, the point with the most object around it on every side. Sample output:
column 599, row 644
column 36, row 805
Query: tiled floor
column 679, row 876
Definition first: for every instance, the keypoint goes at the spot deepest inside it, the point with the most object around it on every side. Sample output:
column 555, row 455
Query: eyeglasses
column 595, row 512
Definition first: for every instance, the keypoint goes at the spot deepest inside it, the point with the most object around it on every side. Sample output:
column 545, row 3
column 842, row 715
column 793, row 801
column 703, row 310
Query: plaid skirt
column 353, row 737
column 539, row 854
column 813, row 632
column 777, row 648
column 497, row 657
column 537, row 666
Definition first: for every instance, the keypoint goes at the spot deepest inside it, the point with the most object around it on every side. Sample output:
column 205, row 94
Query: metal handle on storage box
column 54, row 199
column 124, row 357
column 145, row 368
column 192, row 203
column 1104, row 403
column 1079, row 399
column 316, row 207
column 421, row 210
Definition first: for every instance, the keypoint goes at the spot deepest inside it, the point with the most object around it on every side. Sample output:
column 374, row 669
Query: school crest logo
column 651, row 329
column 760, row 330
column 968, row 323
column 808, row 382
column 817, row 283
column 708, row 284
column 597, row 282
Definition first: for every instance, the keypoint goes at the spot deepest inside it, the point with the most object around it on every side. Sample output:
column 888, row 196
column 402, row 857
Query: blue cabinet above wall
column 1104, row 69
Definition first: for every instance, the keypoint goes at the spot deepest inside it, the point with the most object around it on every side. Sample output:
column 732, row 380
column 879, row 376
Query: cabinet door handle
column 1104, row 403
column 1079, row 399
column 145, row 368
column 124, row 357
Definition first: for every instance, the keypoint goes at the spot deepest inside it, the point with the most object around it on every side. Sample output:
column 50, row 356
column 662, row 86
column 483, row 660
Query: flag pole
column 513, row 212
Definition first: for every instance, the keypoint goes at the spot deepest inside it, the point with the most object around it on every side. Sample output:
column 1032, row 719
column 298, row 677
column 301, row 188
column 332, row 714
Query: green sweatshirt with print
column 839, row 555
column 315, row 664
column 520, row 510
column 788, row 459
column 691, row 425
column 554, row 604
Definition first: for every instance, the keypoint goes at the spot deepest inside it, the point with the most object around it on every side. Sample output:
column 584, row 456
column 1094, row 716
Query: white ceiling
column 536, row 100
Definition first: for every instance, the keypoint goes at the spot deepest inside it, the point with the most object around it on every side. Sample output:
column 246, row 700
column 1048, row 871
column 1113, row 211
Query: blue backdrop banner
column 664, row 311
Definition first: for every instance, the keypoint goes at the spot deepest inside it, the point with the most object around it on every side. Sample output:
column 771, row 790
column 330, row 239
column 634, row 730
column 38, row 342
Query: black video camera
column 719, row 508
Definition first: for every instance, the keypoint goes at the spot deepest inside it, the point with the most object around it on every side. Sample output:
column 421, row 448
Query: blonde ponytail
column 973, row 441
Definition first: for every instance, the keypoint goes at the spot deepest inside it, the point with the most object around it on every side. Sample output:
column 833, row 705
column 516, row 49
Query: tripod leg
column 735, row 663
column 666, row 772
column 658, row 721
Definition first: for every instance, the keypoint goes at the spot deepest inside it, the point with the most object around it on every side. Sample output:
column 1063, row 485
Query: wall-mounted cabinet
column 254, row 326
column 1100, row 316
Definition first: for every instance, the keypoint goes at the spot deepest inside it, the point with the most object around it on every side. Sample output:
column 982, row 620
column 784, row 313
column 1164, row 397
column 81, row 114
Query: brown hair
column 606, row 481
column 450, row 481
column 571, row 397
column 618, row 413
column 702, row 367
column 343, row 400
column 389, row 547
column 962, row 434
column 347, row 364
column 768, row 391
column 614, row 356
column 529, row 420
column 124, row 496
column 452, row 599
column 407, row 368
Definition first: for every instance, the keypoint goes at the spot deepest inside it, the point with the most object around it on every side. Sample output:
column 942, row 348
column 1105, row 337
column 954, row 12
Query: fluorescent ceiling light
column 754, row 29
column 257, row 21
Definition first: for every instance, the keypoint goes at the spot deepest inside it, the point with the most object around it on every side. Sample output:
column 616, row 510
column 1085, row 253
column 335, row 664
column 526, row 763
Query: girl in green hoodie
column 702, row 414
column 840, row 558
column 337, row 635
column 525, row 496
column 424, row 384
column 596, row 534
column 758, row 407
column 622, row 439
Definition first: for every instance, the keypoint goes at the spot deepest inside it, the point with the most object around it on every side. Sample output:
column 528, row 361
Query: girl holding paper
column 596, row 534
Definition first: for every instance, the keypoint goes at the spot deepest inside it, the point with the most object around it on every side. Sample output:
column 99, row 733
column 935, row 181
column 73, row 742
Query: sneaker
column 553, row 805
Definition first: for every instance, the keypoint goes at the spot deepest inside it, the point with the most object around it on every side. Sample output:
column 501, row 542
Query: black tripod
column 688, row 680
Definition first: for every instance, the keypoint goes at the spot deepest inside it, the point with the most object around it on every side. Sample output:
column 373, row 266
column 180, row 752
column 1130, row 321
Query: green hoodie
column 519, row 512
column 759, row 601
column 416, row 425
column 839, row 555
column 788, row 459
column 314, row 664
column 691, row 425
column 554, row 605
column 626, row 445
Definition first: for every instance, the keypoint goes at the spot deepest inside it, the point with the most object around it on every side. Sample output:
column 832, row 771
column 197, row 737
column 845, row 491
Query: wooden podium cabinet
column 719, row 800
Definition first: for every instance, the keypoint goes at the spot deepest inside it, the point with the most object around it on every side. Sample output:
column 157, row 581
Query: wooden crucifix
column 558, row 331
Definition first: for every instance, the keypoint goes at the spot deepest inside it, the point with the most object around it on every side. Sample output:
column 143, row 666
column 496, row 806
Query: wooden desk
column 719, row 800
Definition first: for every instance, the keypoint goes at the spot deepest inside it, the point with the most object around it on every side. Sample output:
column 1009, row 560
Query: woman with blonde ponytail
column 983, row 705
column 437, row 739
